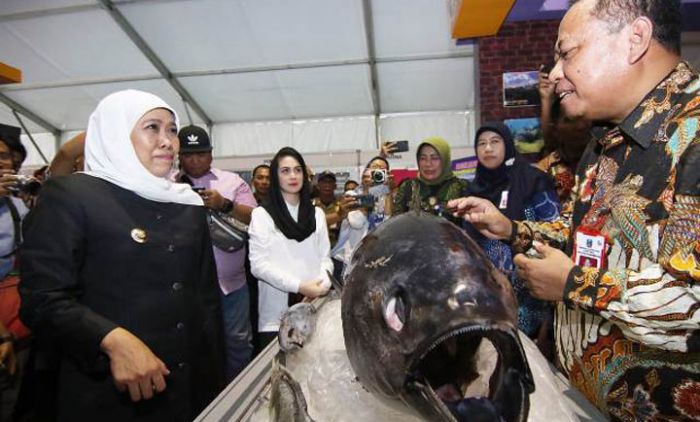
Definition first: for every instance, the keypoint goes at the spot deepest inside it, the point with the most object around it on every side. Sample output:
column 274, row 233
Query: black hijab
column 515, row 175
column 277, row 207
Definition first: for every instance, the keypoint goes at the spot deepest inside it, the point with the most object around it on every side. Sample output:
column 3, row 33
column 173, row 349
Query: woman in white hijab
column 118, row 274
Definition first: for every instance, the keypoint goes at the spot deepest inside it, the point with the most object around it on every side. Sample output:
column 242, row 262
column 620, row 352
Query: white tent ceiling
column 237, row 60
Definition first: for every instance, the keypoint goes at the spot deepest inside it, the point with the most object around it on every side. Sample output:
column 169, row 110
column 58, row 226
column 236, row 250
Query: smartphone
column 198, row 189
column 365, row 201
column 547, row 67
column 401, row 146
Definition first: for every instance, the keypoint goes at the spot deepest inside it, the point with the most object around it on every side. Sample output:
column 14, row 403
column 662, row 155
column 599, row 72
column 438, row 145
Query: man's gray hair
column 665, row 15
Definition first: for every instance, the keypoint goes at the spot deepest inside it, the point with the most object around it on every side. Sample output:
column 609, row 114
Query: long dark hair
column 277, row 207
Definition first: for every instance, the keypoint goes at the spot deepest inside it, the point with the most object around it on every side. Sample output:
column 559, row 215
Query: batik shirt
column 563, row 176
column 332, row 208
column 628, row 334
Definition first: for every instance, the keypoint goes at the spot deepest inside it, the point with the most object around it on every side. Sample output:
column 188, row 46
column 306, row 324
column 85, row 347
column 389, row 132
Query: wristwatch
column 7, row 338
column 228, row 206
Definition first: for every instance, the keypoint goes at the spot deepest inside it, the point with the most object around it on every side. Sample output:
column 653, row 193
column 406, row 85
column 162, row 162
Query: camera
column 378, row 176
column 365, row 201
column 25, row 184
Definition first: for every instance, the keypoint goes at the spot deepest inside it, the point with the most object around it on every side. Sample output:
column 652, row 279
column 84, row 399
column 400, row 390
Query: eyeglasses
column 491, row 143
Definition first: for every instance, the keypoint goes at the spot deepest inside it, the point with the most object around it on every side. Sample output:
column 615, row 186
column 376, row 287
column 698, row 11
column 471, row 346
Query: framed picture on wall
column 527, row 135
column 520, row 89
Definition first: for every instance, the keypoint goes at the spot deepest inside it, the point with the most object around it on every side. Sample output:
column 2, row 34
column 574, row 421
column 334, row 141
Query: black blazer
column 87, row 268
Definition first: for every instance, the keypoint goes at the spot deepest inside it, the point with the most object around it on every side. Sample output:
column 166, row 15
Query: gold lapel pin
column 139, row 235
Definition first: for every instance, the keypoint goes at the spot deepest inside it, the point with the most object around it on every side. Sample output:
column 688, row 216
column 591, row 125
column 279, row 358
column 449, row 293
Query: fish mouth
column 474, row 373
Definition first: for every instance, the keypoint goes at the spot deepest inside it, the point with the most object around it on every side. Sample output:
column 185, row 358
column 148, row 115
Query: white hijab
column 110, row 155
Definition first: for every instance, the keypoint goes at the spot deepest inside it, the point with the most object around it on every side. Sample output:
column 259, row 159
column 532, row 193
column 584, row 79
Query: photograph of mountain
column 520, row 89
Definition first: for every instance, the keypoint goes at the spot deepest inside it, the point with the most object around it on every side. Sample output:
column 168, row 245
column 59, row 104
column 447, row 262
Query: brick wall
column 518, row 47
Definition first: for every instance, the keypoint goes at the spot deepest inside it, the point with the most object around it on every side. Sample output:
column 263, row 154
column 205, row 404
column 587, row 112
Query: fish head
column 419, row 299
column 297, row 325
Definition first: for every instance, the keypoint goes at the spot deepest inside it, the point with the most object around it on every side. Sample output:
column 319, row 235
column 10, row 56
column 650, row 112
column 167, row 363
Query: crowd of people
column 118, row 303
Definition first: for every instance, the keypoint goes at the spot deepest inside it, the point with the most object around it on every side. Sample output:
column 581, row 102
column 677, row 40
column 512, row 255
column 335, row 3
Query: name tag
column 590, row 247
column 504, row 200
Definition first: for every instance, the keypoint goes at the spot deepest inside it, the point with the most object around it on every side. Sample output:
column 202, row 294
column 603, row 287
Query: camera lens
column 378, row 176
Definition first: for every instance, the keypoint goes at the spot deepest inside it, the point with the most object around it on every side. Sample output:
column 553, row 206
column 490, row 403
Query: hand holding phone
column 401, row 146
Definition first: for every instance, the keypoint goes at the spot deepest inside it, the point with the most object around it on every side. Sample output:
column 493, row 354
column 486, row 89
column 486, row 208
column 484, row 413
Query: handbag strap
column 16, row 222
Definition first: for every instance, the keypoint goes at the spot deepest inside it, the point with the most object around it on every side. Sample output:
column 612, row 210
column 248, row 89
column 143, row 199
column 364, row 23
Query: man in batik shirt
column 628, row 314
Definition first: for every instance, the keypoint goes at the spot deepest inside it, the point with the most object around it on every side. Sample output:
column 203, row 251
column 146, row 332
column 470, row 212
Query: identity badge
column 590, row 248
column 504, row 200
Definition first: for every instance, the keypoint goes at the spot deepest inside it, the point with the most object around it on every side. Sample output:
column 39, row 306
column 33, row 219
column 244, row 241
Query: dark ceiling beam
column 372, row 61
column 238, row 70
column 141, row 44
column 15, row 106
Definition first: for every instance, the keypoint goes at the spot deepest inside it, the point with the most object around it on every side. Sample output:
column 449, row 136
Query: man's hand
column 133, row 364
column 483, row 215
column 545, row 277
column 346, row 204
column 212, row 199
column 545, row 87
column 313, row 289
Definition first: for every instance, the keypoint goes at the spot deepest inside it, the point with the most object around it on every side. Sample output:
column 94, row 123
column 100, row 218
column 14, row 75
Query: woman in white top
column 289, row 247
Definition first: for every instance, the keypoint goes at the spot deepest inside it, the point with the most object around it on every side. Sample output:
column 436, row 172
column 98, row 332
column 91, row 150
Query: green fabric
column 433, row 198
column 443, row 149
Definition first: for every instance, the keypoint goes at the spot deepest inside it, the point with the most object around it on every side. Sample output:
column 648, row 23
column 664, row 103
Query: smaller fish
column 287, row 402
column 297, row 326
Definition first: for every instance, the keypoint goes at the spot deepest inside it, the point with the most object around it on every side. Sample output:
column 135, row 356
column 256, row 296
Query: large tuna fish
column 419, row 299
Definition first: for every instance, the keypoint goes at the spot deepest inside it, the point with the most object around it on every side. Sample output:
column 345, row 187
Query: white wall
column 339, row 143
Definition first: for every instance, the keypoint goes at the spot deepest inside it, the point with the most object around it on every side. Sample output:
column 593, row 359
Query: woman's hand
column 387, row 149
column 134, row 366
column 483, row 215
column 312, row 289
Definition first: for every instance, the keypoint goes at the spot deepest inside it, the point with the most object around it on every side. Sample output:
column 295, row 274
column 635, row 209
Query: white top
column 281, row 264
column 352, row 231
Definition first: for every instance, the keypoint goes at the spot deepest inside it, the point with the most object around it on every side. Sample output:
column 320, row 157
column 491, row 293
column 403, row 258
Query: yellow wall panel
column 9, row 74
column 480, row 18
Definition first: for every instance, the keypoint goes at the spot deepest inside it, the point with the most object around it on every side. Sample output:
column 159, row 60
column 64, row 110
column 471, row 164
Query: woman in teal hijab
column 435, row 184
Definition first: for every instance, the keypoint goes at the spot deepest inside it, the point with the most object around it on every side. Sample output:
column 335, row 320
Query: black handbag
column 227, row 233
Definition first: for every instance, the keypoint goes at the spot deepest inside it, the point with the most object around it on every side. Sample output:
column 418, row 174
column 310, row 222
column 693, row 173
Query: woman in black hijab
column 508, row 180
column 521, row 192
column 289, row 249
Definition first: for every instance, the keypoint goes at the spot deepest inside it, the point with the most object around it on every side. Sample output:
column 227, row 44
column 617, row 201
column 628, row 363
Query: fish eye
column 395, row 312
